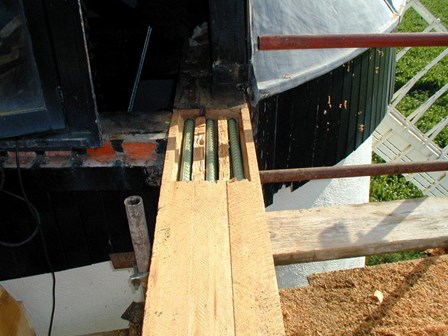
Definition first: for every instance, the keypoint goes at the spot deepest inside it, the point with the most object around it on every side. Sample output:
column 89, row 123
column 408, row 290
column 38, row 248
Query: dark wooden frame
column 228, row 36
column 60, row 48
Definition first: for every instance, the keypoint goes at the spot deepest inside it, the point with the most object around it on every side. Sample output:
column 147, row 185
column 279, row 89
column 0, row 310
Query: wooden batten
column 12, row 317
column 198, row 169
column 358, row 230
column 212, row 271
column 223, row 149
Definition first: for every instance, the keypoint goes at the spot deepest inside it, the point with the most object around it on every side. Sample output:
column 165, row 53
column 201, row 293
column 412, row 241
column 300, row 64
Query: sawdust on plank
column 415, row 301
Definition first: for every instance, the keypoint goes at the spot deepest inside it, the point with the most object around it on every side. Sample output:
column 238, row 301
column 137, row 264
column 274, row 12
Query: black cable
column 35, row 216
column 2, row 173
column 38, row 228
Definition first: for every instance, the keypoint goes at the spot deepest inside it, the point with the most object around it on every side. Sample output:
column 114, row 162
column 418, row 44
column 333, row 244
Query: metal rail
column 319, row 173
column 288, row 42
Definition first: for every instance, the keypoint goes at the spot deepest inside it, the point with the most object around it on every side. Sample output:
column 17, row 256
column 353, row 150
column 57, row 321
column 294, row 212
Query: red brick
column 139, row 150
column 104, row 153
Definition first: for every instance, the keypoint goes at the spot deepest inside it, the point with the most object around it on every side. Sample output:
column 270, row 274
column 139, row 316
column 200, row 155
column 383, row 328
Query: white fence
column 397, row 139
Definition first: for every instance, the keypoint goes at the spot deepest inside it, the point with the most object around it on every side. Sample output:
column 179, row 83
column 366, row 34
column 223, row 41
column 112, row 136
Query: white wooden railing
column 397, row 139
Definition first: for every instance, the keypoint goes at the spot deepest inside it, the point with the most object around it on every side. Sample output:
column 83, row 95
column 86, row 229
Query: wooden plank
column 198, row 167
column 12, row 317
column 358, row 230
column 255, row 293
column 212, row 271
column 123, row 260
column 190, row 286
column 223, row 149
column 173, row 149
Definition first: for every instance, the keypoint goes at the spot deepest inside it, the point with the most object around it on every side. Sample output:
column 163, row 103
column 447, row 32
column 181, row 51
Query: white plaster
column 88, row 299
column 322, row 193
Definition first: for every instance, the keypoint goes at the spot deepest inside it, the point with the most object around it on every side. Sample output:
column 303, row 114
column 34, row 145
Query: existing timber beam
column 358, row 230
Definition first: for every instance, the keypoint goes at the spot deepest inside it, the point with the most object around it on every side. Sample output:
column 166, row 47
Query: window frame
column 59, row 44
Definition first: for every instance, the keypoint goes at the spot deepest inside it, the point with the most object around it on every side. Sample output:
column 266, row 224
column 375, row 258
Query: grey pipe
column 135, row 212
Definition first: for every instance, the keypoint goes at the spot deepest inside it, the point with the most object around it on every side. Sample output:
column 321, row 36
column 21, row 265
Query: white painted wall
column 322, row 193
column 88, row 299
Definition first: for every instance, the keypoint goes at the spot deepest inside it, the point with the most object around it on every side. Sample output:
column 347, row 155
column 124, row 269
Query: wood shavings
column 379, row 296
column 415, row 296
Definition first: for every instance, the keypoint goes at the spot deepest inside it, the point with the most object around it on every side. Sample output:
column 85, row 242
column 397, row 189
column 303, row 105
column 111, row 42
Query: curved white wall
column 322, row 193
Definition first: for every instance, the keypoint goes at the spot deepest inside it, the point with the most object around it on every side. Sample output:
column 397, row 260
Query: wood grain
column 248, row 148
column 358, row 230
column 173, row 148
column 12, row 317
column 212, row 271
column 198, row 167
column 223, row 149
column 256, row 298
column 190, row 286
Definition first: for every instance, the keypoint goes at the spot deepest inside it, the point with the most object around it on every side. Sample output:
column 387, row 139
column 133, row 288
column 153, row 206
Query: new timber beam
column 212, row 271
column 358, row 230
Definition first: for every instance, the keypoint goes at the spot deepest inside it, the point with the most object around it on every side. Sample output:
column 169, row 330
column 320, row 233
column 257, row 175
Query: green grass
column 392, row 257
column 439, row 8
column 389, row 188
column 415, row 60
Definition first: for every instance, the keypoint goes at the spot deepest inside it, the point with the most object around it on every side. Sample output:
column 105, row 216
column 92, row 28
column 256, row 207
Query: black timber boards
column 195, row 88
column 84, row 227
column 321, row 122
column 228, row 41
column 66, row 72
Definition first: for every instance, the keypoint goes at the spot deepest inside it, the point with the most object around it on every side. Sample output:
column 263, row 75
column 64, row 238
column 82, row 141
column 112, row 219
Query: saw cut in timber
column 212, row 271
column 223, row 149
column 198, row 169
column 358, row 230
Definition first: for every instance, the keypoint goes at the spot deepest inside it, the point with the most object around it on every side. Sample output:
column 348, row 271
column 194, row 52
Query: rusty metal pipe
column 319, row 173
column 285, row 42
column 135, row 212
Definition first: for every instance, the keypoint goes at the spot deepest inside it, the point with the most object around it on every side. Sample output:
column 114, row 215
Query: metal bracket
column 138, row 277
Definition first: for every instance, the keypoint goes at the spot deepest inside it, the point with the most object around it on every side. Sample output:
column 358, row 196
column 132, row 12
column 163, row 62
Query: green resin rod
column 235, row 150
column 187, row 151
column 211, row 154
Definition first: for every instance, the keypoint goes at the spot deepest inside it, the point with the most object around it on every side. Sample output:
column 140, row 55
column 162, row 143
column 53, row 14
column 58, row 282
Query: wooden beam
column 212, row 271
column 256, row 298
column 190, row 281
column 358, row 230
